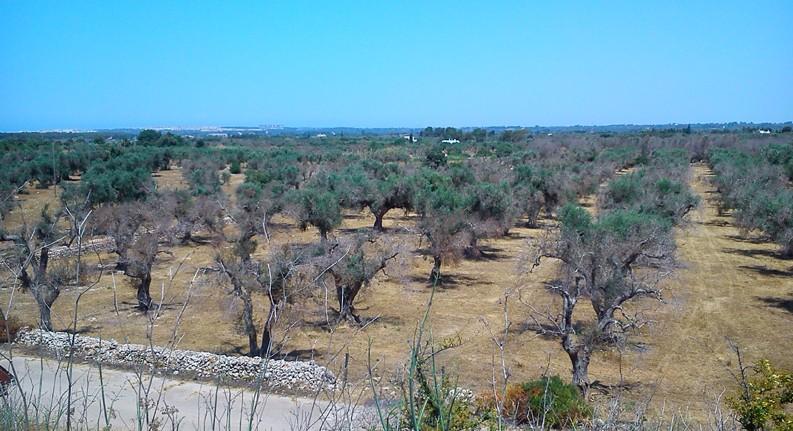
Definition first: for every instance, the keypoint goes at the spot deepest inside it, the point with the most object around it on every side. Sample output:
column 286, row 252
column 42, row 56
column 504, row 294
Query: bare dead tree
column 276, row 279
column 77, row 208
column 121, row 222
column 189, row 215
column 136, row 229
column 490, row 215
column 249, row 276
column 352, row 268
column 272, row 277
column 448, row 237
column 140, row 260
column 237, row 266
column 32, row 256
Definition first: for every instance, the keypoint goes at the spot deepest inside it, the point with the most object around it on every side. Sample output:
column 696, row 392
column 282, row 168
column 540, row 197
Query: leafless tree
column 189, row 215
column 140, row 261
column 77, row 209
column 31, row 254
column 136, row 228
column 281, row 278
column 121, row 222
column 272, row 277
column 249, row 276
column 448, row 238
column 353, row 265
column 237, row 266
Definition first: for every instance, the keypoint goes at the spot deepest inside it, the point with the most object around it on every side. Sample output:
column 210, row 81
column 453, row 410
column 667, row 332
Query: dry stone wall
column 277, row 374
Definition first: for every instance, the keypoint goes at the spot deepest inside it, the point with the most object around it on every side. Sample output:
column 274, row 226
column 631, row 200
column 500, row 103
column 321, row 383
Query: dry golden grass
column 730, row 286
column 30, row 203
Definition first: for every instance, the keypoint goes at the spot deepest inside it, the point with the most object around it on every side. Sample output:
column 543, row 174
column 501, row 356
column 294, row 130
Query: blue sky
column 111, row 64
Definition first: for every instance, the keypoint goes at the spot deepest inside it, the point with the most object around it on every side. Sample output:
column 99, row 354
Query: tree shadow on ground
column 756, row 253
column 785, row 304
column 229, row 349
column 545, row 331
column 165, row 306
column 488, row 253
column 716, row 223
column 450, row 281
column 351, row 230
column 747, row 239
column 297, row 355
column 769, row 272
column 513, row 236
column 355, row 216
column 279, row 225
column 331, row 322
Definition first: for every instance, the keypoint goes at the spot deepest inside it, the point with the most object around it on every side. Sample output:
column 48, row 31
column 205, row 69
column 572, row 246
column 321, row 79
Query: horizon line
column 220, row 128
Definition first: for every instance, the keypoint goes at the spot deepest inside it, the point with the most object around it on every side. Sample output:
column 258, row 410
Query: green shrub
column 235, row 167
column 108, row 184
column 575, row 219
column 560, row 403
column 546, row 401
column 764, row 401
column 435, row 157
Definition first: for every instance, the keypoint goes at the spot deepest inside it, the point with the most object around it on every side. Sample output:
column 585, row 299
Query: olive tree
column 136, row 229
column 353, row 263
column 121, row 223
column 490, row 214
column 380, row 187
column 140, row 261
column 249, row 276
column 202, row 176
column 31, row 257
column 758, row 192
column 317, row 207
column 191, row 214
column 527, row 195
column 609, row 261
column 444, row 220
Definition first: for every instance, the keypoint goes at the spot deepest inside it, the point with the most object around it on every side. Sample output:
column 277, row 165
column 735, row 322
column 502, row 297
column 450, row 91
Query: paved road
column 172, row 404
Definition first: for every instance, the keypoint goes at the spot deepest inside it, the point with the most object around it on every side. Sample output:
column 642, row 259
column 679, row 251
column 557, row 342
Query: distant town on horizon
column 277, row 129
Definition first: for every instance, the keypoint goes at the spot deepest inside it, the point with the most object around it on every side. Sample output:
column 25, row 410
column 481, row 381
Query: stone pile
column 272, row 373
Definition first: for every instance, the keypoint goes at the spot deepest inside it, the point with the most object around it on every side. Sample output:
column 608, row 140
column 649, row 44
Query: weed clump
column 547, row 402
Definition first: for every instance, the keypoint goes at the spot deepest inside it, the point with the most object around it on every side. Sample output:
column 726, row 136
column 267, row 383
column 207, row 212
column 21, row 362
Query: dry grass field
column 729, row 285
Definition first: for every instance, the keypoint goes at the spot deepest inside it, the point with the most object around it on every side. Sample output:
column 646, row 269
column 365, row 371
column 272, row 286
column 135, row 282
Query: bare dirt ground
column 730, row 286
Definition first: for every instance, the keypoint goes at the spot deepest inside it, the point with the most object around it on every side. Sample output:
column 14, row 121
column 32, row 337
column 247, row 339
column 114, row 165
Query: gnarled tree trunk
column 144, row 291
column 472, row 251
column 580, row 356
column 45, row 297
column 579, row 351
column 435, row 274
column 240, row 291
column 247, row 323
column 346, row 296
column 378, row 219
column 43, row 292
column 267, row 332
